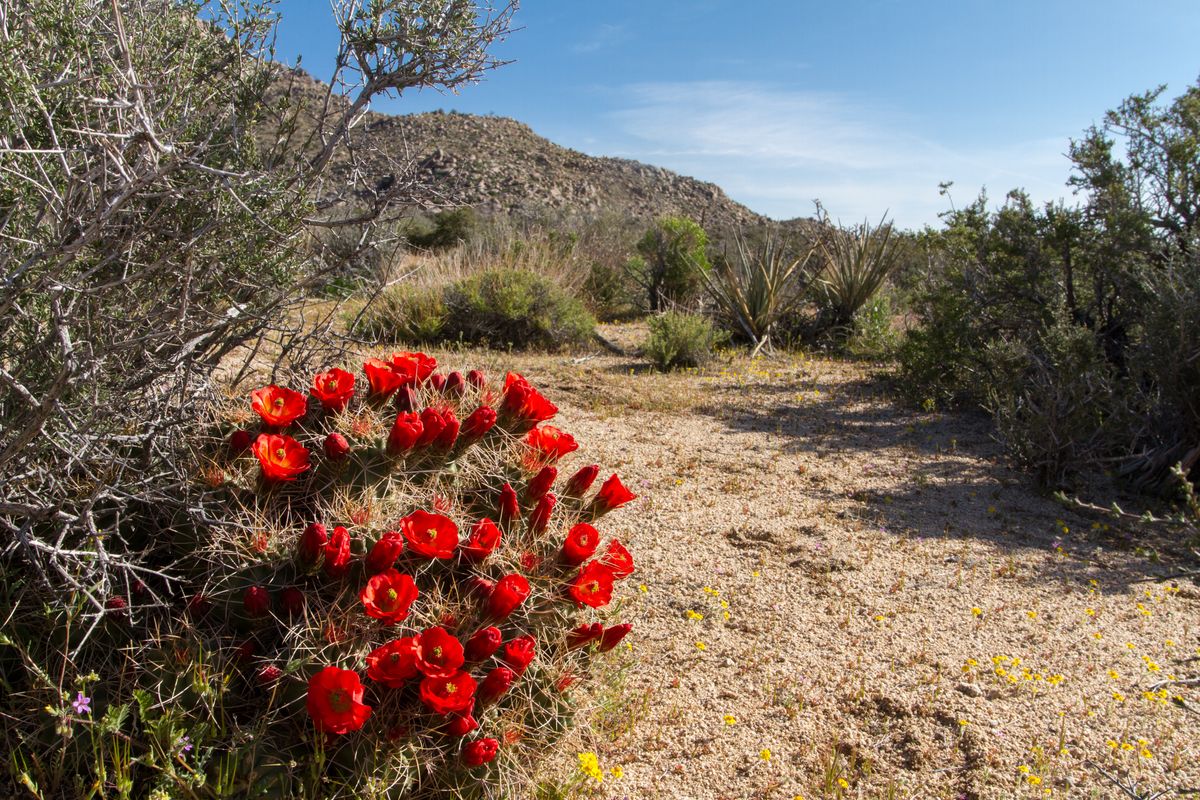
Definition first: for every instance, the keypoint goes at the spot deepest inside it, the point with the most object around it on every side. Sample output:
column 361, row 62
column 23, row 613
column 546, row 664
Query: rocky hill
column 499, row 165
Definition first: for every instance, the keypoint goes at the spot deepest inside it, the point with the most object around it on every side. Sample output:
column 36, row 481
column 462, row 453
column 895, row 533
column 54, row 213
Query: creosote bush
column 400, row 588
column 680, row 340
column 499, row 308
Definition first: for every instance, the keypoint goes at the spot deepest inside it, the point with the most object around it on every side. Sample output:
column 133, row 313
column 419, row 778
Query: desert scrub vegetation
column 1075, row 326
column 498, row 308
column 671, row 258
column 680, row 340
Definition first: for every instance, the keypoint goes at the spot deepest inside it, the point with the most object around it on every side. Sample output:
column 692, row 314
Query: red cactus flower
column 618, row 559
column 438, row 653
column 240, row 440
column 455, row 384
column 417, row 365
column 540, row 517
column 508, row 508
column 337, row 553
column 462, row 724
column 383, row 378
column 565, row 682
column 509, row 594
column 476, row 379
column 584, row 635
column 482, row 541
column 312, row 543
column 582, row 541
column 430, row 535
column 198, row 604
column 256, row 601
column 282, row 458
column 549, row 444
column 478, row 752
column 483, row 644
column 592, row 586
column 612, row 495
column 388, row 596
column 384, row 552
column 335, row 701
column 540, row 483
column 613, row 636
column 581, row 481
column 525, row 405
column 394, row 663
column 406, row 432
column 336, row 447
column 518, row 653
column 267, row 674
column 437, row 382
column 333, row 388
column 292, row 600
column 495, row 684
column 448, row 694
column 449, row 435
column 530, row 561
column 477, row 424
column 278, row 405
column 116, row 604
column 480, row 587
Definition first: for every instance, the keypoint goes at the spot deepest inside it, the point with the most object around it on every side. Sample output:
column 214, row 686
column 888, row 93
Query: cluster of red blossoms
column 453, row 672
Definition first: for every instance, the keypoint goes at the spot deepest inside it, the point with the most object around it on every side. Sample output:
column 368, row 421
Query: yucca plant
column 755, row 288
column 857, row 262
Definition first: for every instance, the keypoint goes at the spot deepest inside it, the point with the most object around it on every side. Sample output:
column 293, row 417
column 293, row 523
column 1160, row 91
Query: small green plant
column 672, row 261
column 873, row 336
column 609, row 292
column 680, row 340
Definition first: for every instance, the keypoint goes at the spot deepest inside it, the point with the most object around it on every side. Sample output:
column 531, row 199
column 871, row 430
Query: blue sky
column 866, row 105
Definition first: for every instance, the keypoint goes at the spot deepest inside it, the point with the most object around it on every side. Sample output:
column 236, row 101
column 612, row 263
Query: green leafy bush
column 609, row 292
column 499, row 308
column 874, row 337
column 515, row 308
column 405, row 313
column 672, row 260
column 1077, row 326
column 680, row 340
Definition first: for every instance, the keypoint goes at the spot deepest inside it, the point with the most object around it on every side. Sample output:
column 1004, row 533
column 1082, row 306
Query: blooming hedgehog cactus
column 409, row 562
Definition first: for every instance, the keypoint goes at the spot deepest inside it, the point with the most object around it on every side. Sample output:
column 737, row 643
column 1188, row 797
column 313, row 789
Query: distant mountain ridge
column 500, row 165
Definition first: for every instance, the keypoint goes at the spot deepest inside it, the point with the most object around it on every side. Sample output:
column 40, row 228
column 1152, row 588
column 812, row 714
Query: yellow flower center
column 592, row 587
column 280, row 453
column 437, row 652
column 395, row 657
column 278, row 402
column 391, row 595
column 431, row 534
column 331, row 384
column 451, row 688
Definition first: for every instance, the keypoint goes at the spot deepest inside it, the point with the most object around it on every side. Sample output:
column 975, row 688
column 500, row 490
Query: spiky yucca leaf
column 857, row 262
column 756, row 288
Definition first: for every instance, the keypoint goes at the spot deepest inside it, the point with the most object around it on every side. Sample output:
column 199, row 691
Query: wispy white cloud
column 777, row 149
column 602, row 38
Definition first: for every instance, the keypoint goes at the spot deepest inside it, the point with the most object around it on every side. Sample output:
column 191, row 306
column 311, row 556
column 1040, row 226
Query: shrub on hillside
column 448, row 228
column 680, row 340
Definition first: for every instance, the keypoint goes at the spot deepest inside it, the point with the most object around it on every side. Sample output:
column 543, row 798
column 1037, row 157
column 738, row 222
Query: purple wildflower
column 82, row 704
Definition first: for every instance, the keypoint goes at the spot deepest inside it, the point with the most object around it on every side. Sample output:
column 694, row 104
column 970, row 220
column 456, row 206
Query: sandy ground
column 843, row 598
